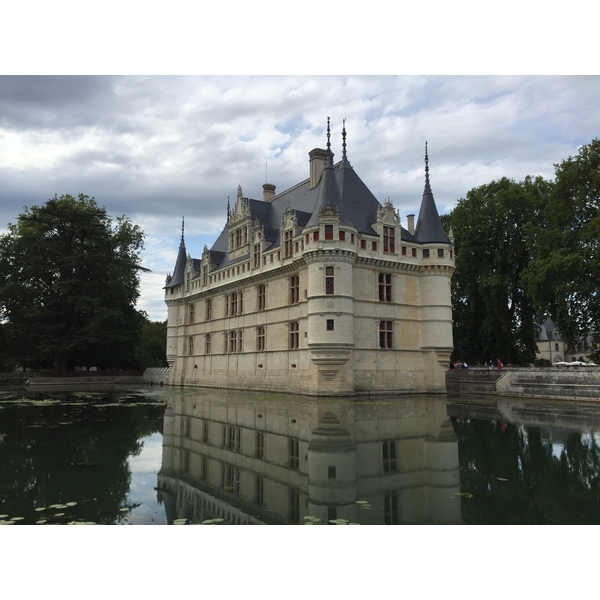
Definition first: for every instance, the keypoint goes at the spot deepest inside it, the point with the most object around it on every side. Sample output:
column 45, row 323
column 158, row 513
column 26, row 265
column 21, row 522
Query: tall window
column 425, row 252
column 385, row 334
column 204, row 274
column 208, row 343
column 256, row 256
column 294, row 453
column 205, row 437
column 390, row 508
column 294, row 289
column 329, row 280
column 260, row 444
column 294, row 335
column 233, row 341
column 192, row 313
column 294, row 505
column 234, row 304
column 262, row 297
column 388, row 455
column 385, row 287
column 328, row 232
column 388, row 239
column 260, row 339
column 231, row 437
column 191, row 345
column 209, row 305
column 259, row 488
column 287, row 248
column 231, row 479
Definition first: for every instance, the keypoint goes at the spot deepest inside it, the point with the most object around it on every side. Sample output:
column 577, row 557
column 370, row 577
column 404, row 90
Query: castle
column 316, row 290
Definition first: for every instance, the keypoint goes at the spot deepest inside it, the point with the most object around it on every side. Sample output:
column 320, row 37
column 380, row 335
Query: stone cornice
column 333, row 255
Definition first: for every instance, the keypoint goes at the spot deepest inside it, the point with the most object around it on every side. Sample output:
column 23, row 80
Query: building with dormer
column 316, row 290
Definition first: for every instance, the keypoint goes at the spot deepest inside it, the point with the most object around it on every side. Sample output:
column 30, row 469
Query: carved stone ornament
column 387, row 214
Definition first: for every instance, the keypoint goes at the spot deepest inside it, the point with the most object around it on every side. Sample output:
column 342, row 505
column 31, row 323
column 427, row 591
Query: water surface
column 142, row 455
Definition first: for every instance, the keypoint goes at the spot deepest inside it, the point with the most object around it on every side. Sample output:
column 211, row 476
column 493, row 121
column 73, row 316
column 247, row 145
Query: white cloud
column 159, row 148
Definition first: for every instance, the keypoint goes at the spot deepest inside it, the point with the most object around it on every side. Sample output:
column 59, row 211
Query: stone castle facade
column 317, row 290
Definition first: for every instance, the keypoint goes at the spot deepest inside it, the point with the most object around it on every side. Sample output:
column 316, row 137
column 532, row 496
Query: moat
column 153, row 456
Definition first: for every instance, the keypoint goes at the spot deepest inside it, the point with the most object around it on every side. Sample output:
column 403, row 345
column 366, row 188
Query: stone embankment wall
column 568, row 383
column 157, row 375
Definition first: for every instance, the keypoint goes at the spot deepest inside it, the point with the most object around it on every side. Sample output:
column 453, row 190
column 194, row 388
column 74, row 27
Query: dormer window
column 287, row 236
column 389, row 239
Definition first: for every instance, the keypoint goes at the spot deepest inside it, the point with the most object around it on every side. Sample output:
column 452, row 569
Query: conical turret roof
column 179, row 271
column 429, row 227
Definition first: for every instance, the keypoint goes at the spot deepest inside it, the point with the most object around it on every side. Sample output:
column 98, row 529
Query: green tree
column 563, row 276
column 69, row 281
column 151, row 350
column 494, row 315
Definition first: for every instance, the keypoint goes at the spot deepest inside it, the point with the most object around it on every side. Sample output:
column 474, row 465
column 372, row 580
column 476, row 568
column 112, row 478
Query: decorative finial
column 228, row 209
column 328, row 136
column 344, row 139
column 426, row 160
column 182, row 227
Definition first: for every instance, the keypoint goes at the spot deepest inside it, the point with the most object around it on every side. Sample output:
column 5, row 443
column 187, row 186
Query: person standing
column 499, row 364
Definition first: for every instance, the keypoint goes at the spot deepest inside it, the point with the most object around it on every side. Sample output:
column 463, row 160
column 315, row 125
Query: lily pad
column 41, row 522
column 339, row 521
column 124, row 509
column 501, row 479
column 40, row 508
column 59, row 514
column 70, row 503
column 179, row 521
column 311, row 519
column 17, row 519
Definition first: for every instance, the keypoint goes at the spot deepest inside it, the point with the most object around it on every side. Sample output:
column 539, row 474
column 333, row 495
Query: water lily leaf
column 501, row 479
column 7, row 522
column 339, row 521
column 3, row 516
column 59, row 514
column 124, row 509
column 41, row 522
column 312, row 519
column 16, row 518
column 179, row 521
column 70, row 503
column 361, row 502
column 40, row 508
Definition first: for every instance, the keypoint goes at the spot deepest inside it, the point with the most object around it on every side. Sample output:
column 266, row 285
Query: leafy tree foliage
column 563, row 277
column 494, row 315
column 69, row 281
column 151, row 350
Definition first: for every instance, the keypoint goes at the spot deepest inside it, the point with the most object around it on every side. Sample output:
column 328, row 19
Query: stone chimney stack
column 268, row 192
column 318, row 157
column 411, row 223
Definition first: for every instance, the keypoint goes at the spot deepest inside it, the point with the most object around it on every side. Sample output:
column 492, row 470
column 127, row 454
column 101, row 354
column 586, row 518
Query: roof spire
column 228, row 209
column 426, row 163
column 182, row 227
column 344, row 140
column 328, row 136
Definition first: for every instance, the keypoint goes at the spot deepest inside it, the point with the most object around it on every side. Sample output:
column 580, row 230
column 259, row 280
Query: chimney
column 411, row 223
column 268, row 192
column 318, row 157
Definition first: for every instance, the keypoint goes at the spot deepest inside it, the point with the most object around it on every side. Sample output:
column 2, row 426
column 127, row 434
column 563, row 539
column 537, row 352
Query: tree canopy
column 494, row 315
column 526, row 251
column 69, row 282
column 564, row 274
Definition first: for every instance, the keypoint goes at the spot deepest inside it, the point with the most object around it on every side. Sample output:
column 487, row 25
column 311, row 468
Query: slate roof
column 429, row 227
column 340, row 187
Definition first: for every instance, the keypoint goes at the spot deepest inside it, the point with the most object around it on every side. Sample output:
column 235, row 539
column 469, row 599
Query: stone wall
column 569, row 383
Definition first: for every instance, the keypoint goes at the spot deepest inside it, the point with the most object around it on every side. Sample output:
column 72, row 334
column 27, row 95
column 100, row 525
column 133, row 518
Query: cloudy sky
column 158, row 148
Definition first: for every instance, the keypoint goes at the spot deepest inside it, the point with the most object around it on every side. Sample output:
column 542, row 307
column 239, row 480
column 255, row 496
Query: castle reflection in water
column 248, row 459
